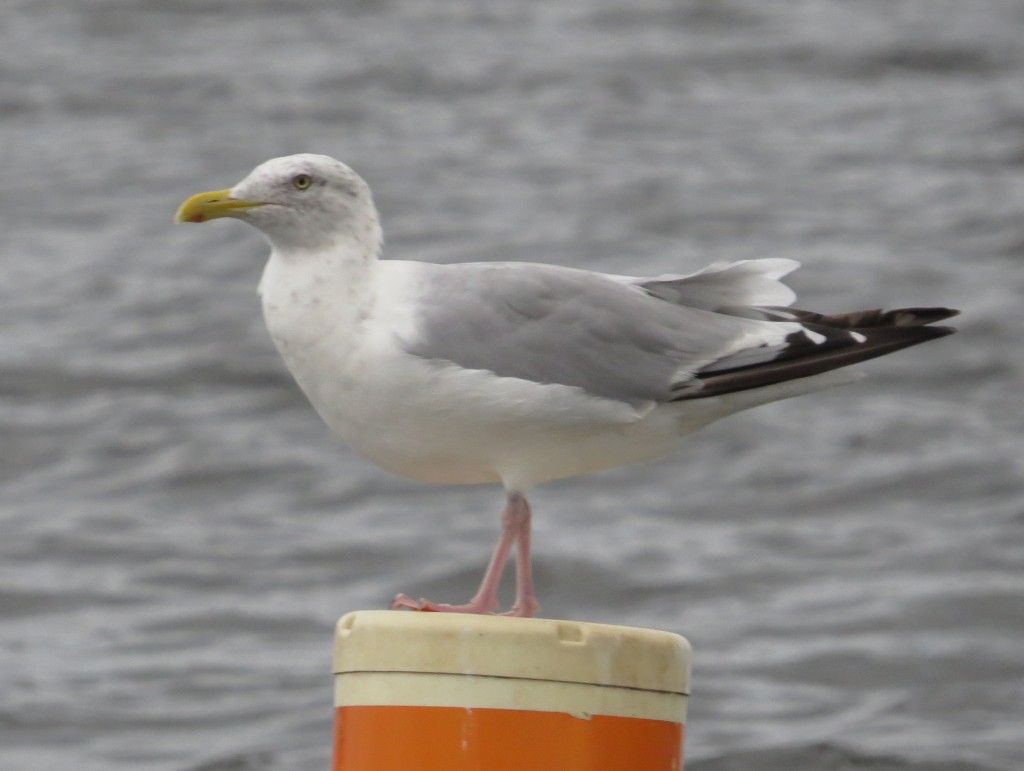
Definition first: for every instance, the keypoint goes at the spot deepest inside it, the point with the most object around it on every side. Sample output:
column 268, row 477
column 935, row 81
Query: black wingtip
column 852, row 338
column 917, row 317
column 867, row 319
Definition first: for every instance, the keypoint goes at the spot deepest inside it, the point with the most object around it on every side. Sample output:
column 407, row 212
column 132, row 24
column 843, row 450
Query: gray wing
column 639, row 340
column 549, row 324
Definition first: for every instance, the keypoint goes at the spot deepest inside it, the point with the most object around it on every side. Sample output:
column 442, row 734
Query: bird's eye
column 301, row 181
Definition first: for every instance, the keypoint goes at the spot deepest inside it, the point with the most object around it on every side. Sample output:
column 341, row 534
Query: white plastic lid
column 532, row 649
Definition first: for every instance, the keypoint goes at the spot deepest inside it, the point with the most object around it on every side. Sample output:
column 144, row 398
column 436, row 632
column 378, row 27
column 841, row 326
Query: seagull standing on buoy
column 517, row 373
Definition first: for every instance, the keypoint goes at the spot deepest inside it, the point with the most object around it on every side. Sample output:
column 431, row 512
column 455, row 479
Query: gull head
column 300, row 202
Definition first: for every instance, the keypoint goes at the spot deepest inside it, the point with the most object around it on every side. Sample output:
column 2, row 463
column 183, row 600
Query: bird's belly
column 457, row 451
column 462, row 427
column 414, row 443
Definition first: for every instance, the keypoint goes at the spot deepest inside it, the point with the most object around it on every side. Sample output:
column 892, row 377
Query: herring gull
column 517, row 373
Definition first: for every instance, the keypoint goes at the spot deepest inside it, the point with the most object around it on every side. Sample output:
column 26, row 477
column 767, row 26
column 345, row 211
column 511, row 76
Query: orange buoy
column 453, row 692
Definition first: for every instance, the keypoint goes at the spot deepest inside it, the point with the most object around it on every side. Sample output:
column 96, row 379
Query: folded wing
column 636, row 340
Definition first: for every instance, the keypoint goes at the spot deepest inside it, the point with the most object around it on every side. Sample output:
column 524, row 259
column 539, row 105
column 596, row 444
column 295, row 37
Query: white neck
column 309, row 297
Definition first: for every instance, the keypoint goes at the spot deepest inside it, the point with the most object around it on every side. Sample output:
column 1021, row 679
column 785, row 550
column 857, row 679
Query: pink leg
column 515, row 528
column 525, row 604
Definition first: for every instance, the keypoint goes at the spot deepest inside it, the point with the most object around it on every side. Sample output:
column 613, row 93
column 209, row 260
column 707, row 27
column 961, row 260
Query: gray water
column 179, row 532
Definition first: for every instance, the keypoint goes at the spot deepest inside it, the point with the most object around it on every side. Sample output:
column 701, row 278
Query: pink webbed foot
column 525, row 609
column 426, row 606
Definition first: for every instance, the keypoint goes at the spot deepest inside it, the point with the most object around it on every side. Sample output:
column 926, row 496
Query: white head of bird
column 301, row 203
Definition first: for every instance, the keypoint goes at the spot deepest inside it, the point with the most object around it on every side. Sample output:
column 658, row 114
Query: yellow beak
column 209, row 206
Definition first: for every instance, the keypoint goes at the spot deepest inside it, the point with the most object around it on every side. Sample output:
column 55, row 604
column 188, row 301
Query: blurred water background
column 178, row 532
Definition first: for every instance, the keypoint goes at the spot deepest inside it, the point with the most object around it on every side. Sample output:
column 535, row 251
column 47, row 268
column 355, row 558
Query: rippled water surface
column 178, row 532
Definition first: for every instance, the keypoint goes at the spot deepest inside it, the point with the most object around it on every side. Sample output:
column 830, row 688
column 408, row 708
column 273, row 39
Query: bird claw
column 526, row 610
column 474, row 606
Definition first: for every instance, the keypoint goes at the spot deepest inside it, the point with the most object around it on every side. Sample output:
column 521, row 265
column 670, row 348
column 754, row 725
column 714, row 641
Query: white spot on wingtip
column 815, row 337
column 859, row 337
